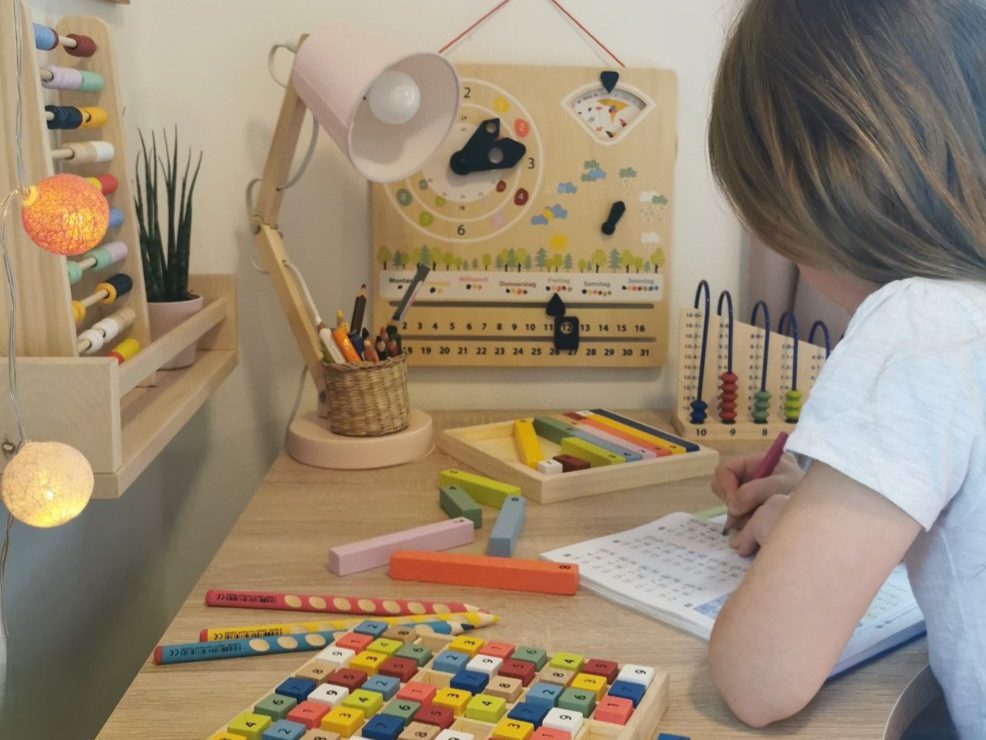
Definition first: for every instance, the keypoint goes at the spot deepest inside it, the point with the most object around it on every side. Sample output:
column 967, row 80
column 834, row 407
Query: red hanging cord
column 473, row 26
column 587, row 32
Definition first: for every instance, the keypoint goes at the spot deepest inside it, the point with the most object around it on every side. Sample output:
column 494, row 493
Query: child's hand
column 742, row 496
column 755, row 530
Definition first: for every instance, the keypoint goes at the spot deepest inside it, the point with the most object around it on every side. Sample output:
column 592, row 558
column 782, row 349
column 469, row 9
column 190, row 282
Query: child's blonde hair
column 850, row 135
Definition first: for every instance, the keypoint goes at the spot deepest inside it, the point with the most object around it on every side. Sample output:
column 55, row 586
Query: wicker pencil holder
column 368, row 399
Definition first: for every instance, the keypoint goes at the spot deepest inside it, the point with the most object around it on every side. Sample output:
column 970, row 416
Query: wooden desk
column 281, row 542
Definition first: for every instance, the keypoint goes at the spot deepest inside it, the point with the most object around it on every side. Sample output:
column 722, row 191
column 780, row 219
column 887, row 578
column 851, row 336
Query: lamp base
column 310, row 442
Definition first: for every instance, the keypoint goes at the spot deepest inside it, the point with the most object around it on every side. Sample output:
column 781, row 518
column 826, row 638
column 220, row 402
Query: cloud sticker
column 557, row 211
column 647, row 196
column 650, row 237
column 539, row 220
column 567, row 187
column 590, row 164
column 593, row 174
column 659, row 200
column 628, row 172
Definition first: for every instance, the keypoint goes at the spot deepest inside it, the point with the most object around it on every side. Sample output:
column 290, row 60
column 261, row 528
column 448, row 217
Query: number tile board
column 492, row 450
column 502, row 242
column 454, row 688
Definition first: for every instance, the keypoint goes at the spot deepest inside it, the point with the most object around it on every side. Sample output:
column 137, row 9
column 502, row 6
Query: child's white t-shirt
column 899, row 407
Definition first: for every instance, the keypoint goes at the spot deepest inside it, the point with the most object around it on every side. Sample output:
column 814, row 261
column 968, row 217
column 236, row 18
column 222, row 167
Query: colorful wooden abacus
column 765, row 374
column 425, row 686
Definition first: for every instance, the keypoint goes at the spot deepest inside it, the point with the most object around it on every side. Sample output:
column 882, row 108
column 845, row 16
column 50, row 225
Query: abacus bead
column 95, row 339
column 64, row 78
column 78, row 311
column 84, row 46
column 90, row 82
column 726, row 406
column 106, row 183
column 74, row 272
column 45, row 38
column 728, row 417
column 93, row 117
column 728, row 387
column 121, row 284
column 794, row 395
column 762, row 396
column 729, row 377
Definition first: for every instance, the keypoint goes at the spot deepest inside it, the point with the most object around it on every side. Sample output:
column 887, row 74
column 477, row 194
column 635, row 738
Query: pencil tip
column 725, row 531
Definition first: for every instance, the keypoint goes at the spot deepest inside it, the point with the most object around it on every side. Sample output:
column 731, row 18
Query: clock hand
column 484, row 151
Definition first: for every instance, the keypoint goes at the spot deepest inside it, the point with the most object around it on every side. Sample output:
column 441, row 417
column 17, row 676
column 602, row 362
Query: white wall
column 86, row 602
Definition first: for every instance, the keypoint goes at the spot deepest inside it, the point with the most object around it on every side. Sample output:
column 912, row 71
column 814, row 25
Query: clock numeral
column 461, row 230
column 530, row 163
column 467, row 92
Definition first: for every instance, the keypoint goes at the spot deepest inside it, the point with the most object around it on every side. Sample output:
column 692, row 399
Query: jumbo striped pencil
column 191, row 652
column 468, row 620
column 330, row 604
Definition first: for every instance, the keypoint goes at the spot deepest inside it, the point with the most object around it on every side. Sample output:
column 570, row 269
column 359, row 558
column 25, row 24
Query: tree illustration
column 383, row 255
column 424, row 256
column 448, row 259
column 657, row 259
column 523, row 260
column 458, row 263
column 487, row 261
column 541, row 258
column 582, row 265
column 638, row 262
column 399, row 259
column 511, row 257
column 614, row 259
column 499, row 258
column 475, row 263
column 626, row 259
column 598, row 259
column 556, row 261
column 568, row 262
column 436, row 257
column 647, row 266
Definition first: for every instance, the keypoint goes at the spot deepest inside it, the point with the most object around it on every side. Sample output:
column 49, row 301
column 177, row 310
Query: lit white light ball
column 394, row 97
column 46, row 484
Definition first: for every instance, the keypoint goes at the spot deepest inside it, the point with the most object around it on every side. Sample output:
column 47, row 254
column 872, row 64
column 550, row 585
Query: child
column 850, row 135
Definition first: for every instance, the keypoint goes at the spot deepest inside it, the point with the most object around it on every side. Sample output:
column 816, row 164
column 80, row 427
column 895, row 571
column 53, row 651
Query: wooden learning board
column 792, row 366
column 491, row 449
column 456, row 688
column 502, row 242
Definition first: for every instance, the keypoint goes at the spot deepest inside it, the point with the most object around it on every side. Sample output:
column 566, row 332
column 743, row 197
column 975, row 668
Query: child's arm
column 831, row 550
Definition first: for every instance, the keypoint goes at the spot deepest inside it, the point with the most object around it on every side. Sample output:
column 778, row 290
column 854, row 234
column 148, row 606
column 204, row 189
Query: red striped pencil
column 330, row 604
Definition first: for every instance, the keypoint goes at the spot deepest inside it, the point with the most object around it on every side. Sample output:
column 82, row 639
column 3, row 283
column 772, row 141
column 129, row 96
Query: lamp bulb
column 46, row 484
column 394, row 97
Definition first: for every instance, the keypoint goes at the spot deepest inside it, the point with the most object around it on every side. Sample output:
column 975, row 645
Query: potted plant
column 169, row 301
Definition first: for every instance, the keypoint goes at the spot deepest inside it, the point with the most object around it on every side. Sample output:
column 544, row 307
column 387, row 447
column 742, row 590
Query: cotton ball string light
column 46, row 484
column 65, row 214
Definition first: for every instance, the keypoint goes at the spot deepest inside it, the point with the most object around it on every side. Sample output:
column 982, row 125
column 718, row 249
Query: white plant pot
column 166, row 316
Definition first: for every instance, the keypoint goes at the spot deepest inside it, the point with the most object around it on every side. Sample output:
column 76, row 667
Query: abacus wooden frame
column 119, row 416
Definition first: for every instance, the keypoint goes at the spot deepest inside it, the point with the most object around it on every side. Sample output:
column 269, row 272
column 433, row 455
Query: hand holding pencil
column 746, row 483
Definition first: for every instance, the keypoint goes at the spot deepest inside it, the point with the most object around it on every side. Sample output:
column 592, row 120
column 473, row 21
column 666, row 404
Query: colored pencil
column 210, row 634
column 764, row 469
column 191, row 652
column 330, row 604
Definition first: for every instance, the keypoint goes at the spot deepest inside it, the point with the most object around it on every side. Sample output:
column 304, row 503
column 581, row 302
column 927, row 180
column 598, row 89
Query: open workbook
column 681, row 570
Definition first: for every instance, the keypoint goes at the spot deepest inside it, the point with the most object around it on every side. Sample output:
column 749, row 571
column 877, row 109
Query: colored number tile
column 547, row 733
column 419, row 653
column 419, row 731
column 403, row 669
column 354, row 641
column 614, row 709
column 567, row 661
column 484, row 664
column 564, row 720
column 285, row 730
column 431, row 714
column 636, row 674
column 454, row 735
column 588, row 682
column 632, row 691
column 454, row 699
column 275, row 706
column 397, row 632
column 669, row 736
column 403, row 709
column 543, row 693
column 605, row 668
column 450, row 661
column 486, row 708
column 321, row 735
column 415, row 691
column 226, row 735
column 351, row 678
column 537, row 656
column 385, row 646
column 560, row 676
column 505, row 687
column 250, row 725
column 466, row 644
column 371, row 627
column 521, row 669
column 512, row 729
column 383, row 727
column 309, row 713
column 532, row 712
column 385, row 685
column 297, row 688
column 502, row 650
column 342, row 720
column 368, row 661
column 369, row 702
column 329, row 694
column 469, row 681
column 337, row 656
column 315, row 670
column 577, row 701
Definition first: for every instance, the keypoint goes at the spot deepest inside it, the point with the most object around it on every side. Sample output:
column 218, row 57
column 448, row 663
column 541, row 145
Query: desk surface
column 281, row 542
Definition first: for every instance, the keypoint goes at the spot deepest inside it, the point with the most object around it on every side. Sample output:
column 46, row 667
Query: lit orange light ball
column 65, row 214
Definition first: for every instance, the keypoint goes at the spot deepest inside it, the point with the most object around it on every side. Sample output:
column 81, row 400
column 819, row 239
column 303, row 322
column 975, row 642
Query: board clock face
column 479, row 205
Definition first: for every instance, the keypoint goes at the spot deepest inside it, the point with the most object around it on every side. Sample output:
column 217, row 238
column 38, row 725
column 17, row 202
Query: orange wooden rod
column 512, row 574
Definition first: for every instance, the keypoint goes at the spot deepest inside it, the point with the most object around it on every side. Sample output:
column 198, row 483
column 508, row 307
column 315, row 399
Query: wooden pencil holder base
column 368, row 399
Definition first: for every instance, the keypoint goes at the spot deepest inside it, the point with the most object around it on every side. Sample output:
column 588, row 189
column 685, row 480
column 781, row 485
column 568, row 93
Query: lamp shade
column 388, row 109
